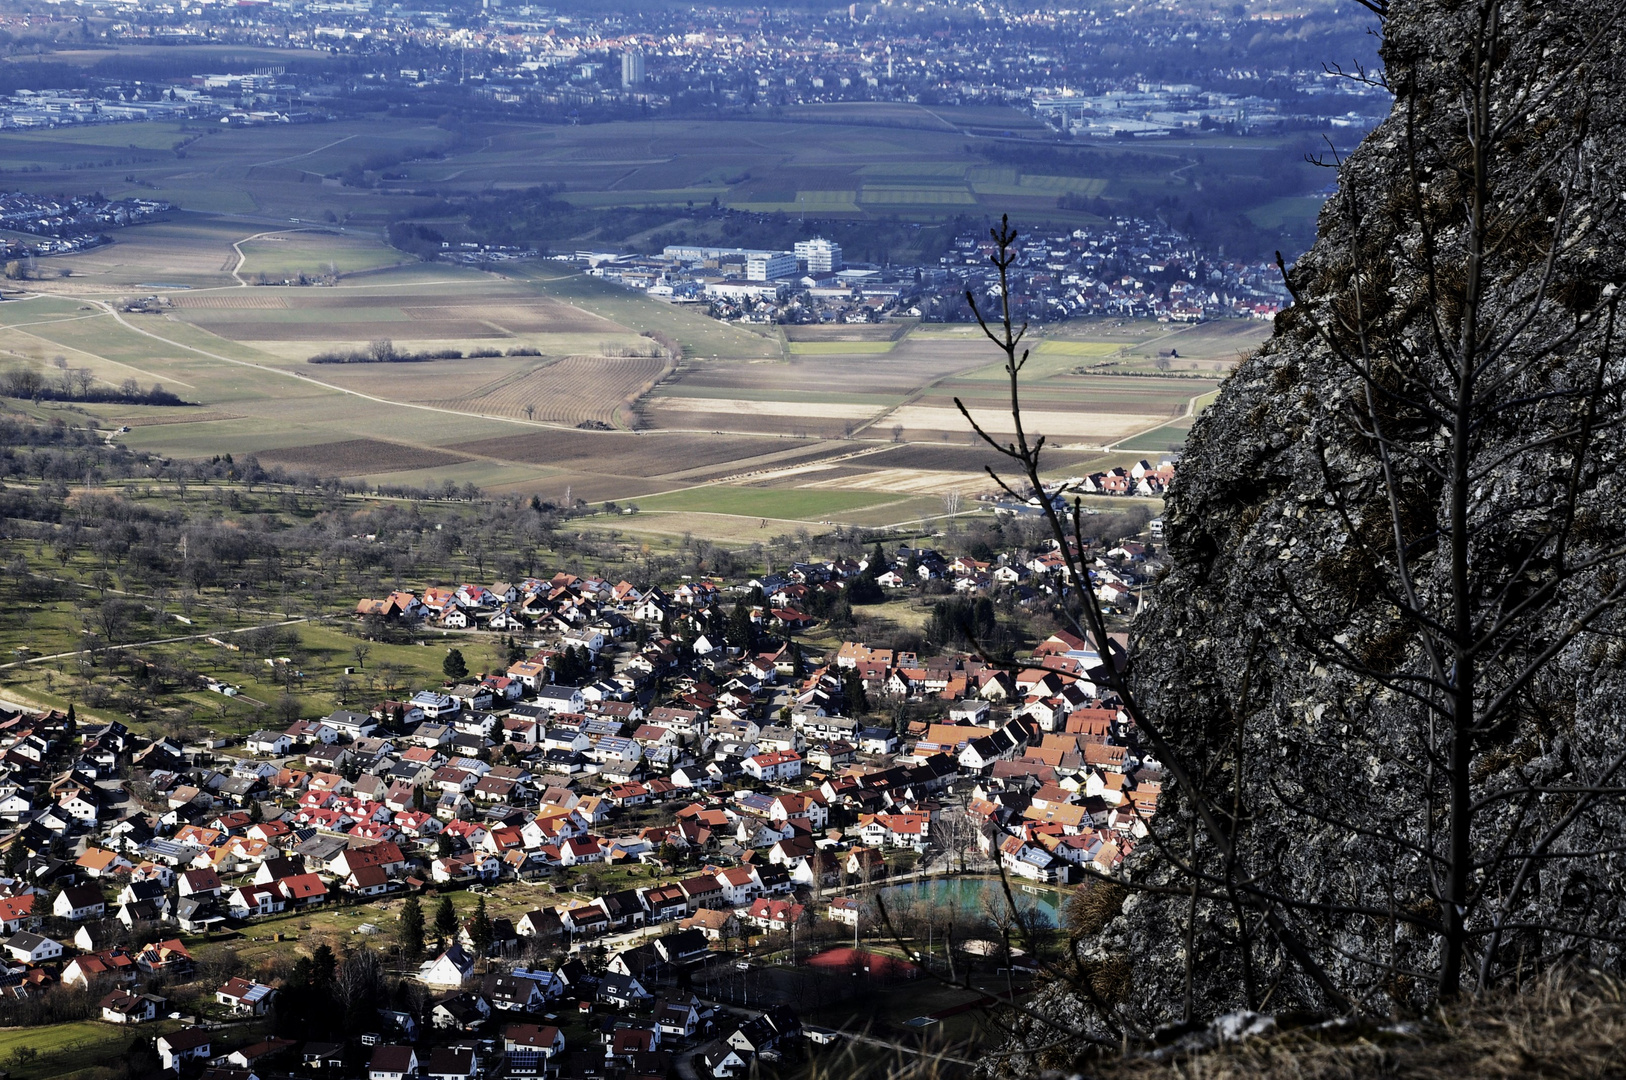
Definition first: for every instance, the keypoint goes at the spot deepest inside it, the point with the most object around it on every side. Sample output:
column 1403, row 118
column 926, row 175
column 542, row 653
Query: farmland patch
column 356, row 330
column 783, row 503
column 653, row 454
column 353, row 457
column 905, row 482
column 878, row 194
column 838, row 348
column 571, row 391
column 744, row 407
column 1060, row 347
column 258, row 299
column 1076, row 425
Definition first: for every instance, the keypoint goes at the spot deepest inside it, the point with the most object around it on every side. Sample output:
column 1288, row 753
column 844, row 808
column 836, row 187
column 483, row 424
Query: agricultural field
column 802, row 426
column 312, row 252
column 857, row 161
column 573, row 390
column 780, row 504
column 832, row 423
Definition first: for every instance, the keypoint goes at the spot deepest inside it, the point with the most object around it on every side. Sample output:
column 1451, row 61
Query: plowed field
column 355, row 457
column 573, row 390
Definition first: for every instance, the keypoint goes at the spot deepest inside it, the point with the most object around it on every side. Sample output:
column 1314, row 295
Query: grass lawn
column 790, row 504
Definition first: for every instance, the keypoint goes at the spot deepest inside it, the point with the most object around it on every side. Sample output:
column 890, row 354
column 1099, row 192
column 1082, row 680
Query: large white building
column 822, row 256
column 770, row 265
column 632, row 68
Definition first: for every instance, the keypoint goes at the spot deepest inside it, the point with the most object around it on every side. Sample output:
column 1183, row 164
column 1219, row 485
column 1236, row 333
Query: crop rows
column 573, row 390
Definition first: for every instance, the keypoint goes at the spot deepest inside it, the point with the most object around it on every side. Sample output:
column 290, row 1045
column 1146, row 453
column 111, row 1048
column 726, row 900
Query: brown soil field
column 785, row 411
column 796, row 426
column 808, row 475
column 246, row 330
column 909, row 365
column 960, row 457
column 596, row 487
column 1086, row 425
column 1099, row 394
column 648, row 455
column 570, row 391
column 235, row 299
column 181, row 416
column 531, row 317
column 353, row 457
column 1039, row 400
column 426, row 381
column 903, row 482
column 774, row 461
column 371, row 298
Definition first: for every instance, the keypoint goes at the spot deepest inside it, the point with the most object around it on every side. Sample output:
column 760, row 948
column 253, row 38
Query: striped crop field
column 918, row 196
column 838, row 348
column 573, row 390
column 1055, row 347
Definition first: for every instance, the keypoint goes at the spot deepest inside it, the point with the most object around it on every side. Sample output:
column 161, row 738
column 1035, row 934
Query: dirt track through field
column 283, row 373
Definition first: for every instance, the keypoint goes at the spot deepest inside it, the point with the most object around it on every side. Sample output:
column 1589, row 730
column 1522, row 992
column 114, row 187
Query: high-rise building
column 822, row 256
column 632, row 68
column 767, row 266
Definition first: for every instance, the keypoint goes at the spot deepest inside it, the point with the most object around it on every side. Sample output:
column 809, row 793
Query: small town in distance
column 668, row 835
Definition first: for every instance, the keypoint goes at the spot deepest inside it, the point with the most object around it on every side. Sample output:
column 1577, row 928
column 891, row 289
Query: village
column 672, row 804
column 1125, row 268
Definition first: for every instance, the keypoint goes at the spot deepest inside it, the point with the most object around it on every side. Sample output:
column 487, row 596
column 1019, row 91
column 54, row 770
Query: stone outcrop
column 1277, row 630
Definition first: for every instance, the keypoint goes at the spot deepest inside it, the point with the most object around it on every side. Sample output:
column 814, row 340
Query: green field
column 68, row 1048
column 783, row 504
column 297, row 252
column 1296, row 211
column 1062, row 347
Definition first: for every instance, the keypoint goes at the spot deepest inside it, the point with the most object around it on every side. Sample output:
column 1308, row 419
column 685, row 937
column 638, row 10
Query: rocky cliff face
column 1311, row 533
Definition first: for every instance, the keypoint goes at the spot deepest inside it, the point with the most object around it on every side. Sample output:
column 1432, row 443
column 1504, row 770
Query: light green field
column 915, row 170
column 316, row 253
column 1161, row 440
column 1075, row 185
column 1292, row 210
column 1062, row 347
column 838, row 348
column 817, row 397
column 917, row 196
column 784, row 503
column 703, row 336
column 814, row 200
